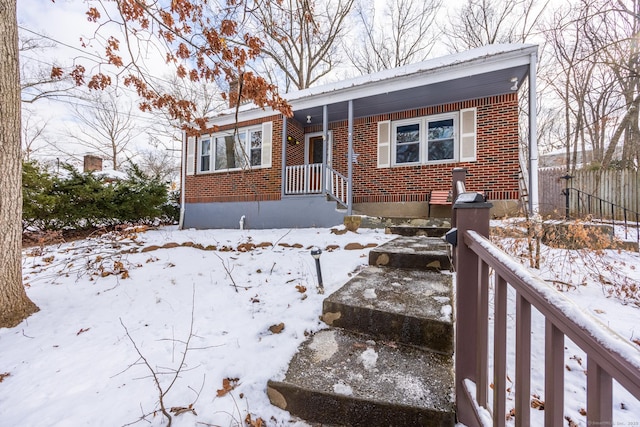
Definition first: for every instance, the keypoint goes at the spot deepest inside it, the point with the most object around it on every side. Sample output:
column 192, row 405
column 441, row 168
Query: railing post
column 458, row 174
column 467, row 216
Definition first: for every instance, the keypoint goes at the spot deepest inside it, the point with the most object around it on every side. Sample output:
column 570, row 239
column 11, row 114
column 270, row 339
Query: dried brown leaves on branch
column 191, row 36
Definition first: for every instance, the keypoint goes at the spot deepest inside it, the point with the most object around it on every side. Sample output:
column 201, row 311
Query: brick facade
column 495, row 171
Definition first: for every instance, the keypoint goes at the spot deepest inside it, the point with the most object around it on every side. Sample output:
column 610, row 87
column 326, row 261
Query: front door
column 314, row 160
column 314, row 153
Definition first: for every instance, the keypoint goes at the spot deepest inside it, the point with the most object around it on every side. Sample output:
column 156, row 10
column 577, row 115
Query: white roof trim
column 465, row 64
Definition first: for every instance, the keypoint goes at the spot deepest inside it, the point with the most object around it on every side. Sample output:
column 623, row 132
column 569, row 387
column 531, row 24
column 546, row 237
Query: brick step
column 412, row 307
column 342, row 378
column 419, row 252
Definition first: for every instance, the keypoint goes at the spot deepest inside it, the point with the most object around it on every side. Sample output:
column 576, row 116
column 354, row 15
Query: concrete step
column 412, row 307
column 341, row 378
column 426, row 253
column 387, row 223
column 414, row 230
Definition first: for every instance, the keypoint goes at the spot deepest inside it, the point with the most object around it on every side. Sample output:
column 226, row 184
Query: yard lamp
column 315, row 253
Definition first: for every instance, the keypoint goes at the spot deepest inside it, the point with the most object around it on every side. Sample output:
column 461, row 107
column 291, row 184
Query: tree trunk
column 15, row 306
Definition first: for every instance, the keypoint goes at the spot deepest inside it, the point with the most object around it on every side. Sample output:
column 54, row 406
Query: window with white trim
column 430, row 139
column 226, row 151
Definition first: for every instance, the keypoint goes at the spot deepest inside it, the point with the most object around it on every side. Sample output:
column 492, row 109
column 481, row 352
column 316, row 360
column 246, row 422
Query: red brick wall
column 240, row 185
column 495, row 171
column 295, row 152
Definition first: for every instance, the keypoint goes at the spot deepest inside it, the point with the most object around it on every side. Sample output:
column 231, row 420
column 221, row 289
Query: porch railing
column 303, row 179
column 609, row 357
column 337, row 186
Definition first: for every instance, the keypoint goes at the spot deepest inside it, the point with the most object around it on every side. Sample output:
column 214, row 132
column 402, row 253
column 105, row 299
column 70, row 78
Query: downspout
column 283, row 173
column 183, row 178
column 325, row 141
column 350, row 160
column 533, row 139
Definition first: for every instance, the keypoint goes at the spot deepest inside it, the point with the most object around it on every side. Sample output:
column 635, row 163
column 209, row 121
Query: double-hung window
column 431, row 139
column 232, row 150
column 441, row 138
column 407, row 142
column 205, row 154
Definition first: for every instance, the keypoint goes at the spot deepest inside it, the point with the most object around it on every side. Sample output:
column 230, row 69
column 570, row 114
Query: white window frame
column 455, row 116
column 423, row 153
column 394, row 142
column 242, row 133
column 200, row 155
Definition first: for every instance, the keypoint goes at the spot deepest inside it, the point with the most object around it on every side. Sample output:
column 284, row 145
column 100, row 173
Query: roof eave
column 387, row 81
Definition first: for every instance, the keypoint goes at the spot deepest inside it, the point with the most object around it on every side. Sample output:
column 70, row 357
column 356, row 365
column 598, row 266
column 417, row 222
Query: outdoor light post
column 315, row 253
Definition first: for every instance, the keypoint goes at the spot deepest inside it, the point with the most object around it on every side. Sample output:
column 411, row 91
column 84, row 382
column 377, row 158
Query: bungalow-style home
column 375, row 145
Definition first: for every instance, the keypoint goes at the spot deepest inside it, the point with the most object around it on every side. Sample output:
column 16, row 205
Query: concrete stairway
column 386, row 359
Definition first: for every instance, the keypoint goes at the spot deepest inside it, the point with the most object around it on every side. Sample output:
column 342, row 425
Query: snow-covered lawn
column 242, row 308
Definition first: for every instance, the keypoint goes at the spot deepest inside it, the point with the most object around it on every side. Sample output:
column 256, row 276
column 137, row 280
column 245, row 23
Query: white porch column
column 350, row 159
column 325, row 142
column 283, row 178
column 533, row 138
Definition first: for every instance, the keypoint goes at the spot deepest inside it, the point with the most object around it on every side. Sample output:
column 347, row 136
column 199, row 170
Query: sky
column 75, row 363
column 65, row 24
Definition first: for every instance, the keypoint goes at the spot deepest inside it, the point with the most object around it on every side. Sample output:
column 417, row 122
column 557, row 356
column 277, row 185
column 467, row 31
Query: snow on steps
column 389, row 362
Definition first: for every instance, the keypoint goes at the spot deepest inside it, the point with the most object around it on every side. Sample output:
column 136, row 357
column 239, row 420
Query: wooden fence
column 620, row 187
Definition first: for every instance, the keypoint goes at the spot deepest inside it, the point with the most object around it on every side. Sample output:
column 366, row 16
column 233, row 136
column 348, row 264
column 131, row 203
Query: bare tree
column 301, row 38
column 570, row 76
column 197, row 43
column 160, row 164
column 403, row 34
column 37, row 81
column 206, row 98
column 14, row 303
column 33, row 133
column 597, row 79
column 106, row 126
column 482, row 22
column 616, row 47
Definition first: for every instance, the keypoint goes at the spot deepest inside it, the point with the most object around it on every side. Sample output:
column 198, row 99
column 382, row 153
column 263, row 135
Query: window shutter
column 384, row 144
column 468, row 135
column 191, row 155
column 267, row 129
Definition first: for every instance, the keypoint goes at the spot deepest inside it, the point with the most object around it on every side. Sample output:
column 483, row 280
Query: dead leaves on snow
column 276, row 329
column 116, row 269
column 536, row 403
column 3, row 376
column 228, row 385
column 179, row 410
column 254, row 423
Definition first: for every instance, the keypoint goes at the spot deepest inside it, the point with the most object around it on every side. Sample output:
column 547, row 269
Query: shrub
column 86, row 200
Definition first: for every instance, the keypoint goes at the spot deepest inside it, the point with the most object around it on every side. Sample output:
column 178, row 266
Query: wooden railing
column 609, row 357
column 303, row 179
column 337, row 186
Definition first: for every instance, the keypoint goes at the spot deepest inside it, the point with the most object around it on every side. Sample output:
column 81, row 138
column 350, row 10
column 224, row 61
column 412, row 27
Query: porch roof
column 476, row 73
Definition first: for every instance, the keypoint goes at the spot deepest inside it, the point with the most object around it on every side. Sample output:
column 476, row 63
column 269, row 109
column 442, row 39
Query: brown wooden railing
column 609, row 357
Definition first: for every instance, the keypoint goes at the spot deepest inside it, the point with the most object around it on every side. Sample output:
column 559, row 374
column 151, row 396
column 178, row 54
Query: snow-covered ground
column 117, row 310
